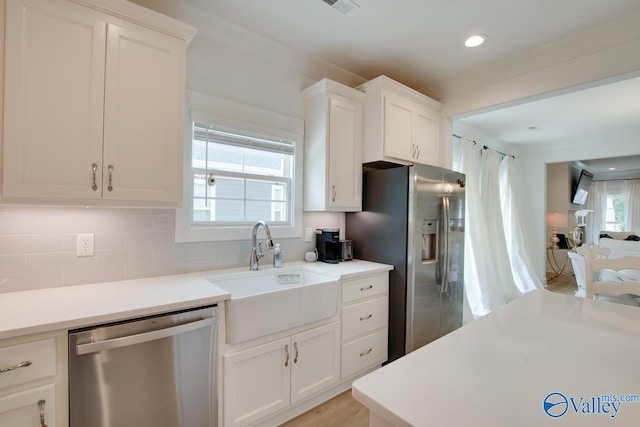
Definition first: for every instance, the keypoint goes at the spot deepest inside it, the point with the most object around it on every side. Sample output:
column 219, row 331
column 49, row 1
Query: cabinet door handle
column 286, row 351
column 110, row 187
column 19, row 365
column 333, row 193
column 295, row 357
column 94, row 168
column 41, row 403
column 366, row 317
column 366, row 352
column 417, row 151
column 414, row 151
column 366, row 288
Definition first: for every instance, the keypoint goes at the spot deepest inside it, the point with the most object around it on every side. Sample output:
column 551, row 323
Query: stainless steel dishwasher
column 156, row 371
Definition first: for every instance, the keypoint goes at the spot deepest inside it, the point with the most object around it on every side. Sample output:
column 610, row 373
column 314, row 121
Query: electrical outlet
column 308, row 234
column 84, row 245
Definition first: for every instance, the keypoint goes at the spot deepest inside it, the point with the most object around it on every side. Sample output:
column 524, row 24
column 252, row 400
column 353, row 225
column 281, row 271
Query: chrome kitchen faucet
column 256, row 247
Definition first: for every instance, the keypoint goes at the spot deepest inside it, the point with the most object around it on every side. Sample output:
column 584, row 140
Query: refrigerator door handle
column 445, row 244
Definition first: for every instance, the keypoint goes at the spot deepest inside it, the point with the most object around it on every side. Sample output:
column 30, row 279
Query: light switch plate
column 84, row 245
column 308, row 234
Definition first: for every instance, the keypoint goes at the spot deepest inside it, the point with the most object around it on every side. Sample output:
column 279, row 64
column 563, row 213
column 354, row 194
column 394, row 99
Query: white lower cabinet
column 33, row 381
column 266, row 378
column 364, row 352
column 365, row 319
column 22, row 409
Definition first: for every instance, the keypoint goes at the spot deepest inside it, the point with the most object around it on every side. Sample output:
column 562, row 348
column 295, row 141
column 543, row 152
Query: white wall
column 37, row 244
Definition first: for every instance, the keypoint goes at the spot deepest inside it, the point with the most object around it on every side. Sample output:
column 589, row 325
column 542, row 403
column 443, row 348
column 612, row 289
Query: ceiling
column 599, row 115
column 612, row 168
column 420, row 43
column 417, row 42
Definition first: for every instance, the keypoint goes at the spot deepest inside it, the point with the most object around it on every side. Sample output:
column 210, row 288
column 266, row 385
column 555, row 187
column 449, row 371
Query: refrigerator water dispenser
column 429, row 239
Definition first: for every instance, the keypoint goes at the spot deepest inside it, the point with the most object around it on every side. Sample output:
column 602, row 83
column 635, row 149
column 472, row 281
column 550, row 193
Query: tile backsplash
column 38, row 246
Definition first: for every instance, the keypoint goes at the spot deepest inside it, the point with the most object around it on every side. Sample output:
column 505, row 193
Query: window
column 239, row 178
column 614, row 217
column 241, row 164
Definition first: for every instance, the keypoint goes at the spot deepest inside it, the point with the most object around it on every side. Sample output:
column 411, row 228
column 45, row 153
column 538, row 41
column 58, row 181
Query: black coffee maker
column 328, row 245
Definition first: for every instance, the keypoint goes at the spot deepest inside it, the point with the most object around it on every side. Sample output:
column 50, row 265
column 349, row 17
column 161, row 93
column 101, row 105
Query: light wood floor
column 341, row 411
column 344, row 411
column 564, row 284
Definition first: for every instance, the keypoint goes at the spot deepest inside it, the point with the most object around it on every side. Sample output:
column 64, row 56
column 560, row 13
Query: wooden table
column 578, row 355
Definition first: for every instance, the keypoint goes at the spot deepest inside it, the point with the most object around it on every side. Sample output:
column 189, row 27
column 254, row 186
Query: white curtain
column 597, row 202
column 489, row 283
column 632, row 205
column 524, row 273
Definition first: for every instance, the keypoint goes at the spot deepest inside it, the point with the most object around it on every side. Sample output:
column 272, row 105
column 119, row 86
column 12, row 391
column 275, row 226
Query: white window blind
column 239, row 178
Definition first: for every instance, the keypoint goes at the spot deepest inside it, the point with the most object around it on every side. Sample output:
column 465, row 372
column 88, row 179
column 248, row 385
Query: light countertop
column 498, row 370
column 43, row 310
column 348, row 269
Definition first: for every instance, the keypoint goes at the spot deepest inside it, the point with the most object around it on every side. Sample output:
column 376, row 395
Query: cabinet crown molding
column 142, row 16
column 326, row 85
column 383, row 82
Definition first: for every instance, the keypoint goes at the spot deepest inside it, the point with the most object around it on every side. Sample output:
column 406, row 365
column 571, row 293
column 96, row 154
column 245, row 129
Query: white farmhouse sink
column 269, row 301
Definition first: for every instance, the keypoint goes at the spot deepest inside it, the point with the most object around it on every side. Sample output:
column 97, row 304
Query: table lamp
column 555, row 220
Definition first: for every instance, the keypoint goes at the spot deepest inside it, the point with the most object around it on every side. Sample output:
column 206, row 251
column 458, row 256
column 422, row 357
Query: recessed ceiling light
column 475, row 40
column 612, row 169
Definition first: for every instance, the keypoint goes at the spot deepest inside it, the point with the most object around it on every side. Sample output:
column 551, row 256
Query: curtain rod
column 461, row 137
column 485, row 147
column 616, row 179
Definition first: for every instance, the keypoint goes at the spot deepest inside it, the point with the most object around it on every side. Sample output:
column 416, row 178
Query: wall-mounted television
column 579, row 196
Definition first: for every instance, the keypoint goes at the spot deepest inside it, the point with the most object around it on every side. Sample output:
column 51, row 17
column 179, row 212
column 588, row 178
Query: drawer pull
column 366, row 352
column 366, row 288
column 366, row 317
column 19, row 365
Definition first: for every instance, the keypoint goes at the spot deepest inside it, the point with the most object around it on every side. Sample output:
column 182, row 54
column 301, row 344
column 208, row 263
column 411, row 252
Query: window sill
column 187, row 233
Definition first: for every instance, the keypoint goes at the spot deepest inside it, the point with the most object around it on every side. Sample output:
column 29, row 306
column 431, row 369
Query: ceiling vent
column 343, row 6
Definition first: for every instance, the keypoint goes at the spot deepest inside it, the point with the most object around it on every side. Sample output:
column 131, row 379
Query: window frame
column 253, row 122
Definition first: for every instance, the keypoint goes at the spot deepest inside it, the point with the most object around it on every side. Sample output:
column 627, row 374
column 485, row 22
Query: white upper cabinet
column 142, row 131
column 93, row 103
column 401, row 125
column 333, row 147
column 398, row 139
column 54, row 86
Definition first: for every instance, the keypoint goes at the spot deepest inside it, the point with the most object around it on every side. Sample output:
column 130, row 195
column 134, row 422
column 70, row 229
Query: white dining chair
column 616, row 280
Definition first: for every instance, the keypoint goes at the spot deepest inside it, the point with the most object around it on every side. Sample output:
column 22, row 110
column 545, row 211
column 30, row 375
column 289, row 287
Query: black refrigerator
column 413, row 218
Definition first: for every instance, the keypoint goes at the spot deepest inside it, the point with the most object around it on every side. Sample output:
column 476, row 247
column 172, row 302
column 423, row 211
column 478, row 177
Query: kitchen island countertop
column 542, row 359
